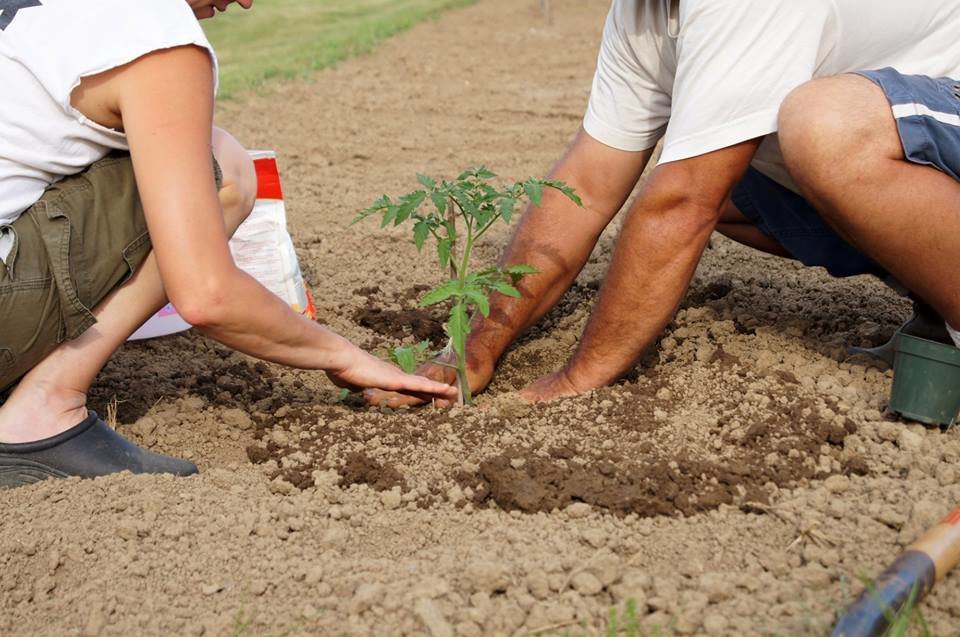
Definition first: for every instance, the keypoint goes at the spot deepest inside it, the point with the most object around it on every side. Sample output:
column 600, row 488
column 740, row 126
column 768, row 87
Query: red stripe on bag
column 268, row 179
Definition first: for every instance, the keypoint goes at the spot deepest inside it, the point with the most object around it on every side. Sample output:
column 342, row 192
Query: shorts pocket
column 56, row 232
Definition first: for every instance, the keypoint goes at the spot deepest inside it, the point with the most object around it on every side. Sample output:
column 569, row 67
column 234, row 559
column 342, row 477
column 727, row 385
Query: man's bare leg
column 52, row 397
column 841, row 145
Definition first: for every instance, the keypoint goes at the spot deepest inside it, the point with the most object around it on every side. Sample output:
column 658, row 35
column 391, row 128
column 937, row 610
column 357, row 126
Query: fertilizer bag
column 261, row 246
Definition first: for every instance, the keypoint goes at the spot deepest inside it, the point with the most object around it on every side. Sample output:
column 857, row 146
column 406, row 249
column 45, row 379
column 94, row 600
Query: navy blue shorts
column 927, row 112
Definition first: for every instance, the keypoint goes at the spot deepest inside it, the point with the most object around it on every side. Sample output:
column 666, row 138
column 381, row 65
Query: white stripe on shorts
column 913, row 110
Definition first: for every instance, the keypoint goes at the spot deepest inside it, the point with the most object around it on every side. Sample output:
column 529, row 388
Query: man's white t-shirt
column 46, row 47
column 707, row 74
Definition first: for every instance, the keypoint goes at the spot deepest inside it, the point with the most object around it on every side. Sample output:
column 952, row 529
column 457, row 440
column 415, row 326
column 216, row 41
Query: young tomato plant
column 455, row 214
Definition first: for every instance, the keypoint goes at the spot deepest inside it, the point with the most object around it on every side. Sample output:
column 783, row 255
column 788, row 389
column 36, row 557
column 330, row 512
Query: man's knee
column 832, row 126
column 239, row 189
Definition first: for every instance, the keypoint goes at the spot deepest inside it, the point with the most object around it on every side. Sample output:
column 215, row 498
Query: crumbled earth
column 741, row 481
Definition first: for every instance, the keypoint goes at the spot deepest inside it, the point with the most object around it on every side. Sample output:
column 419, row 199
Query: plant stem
column 466, row 397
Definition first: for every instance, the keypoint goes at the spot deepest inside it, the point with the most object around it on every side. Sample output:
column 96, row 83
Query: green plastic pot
column 926, row 380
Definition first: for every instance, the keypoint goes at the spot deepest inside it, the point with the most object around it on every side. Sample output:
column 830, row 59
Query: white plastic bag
column 261, row 247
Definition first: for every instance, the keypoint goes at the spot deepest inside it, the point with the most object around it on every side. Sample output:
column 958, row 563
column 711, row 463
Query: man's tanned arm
column 657, row 253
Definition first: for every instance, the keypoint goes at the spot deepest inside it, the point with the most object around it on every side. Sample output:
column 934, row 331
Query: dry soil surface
column 741, row 482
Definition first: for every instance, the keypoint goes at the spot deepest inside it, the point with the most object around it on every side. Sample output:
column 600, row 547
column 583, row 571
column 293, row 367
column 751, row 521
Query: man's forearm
column 656, row 255
column 654, row 261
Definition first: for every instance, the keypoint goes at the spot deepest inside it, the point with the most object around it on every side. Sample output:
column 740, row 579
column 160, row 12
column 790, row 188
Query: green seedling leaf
column 477, row 296
column 507, row 206
column 408, row 357
column 408, row 204
column 506, row 289
column 443, row 252
column 389, row 215
column 378, row 206
column 566, row 190
column 342, row 395
column 484, row 173
column 440, row 294
column 534, row 190
column 420, row 233
column 405, row 358
column 426, row 182
column 521, row 270
column 440, row 201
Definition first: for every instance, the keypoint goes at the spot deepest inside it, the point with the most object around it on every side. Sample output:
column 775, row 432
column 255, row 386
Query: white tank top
column 46, row 47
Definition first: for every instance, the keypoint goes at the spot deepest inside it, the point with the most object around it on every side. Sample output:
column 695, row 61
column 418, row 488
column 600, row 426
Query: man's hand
column 440, row 369
column 360, row 370
column 208, row 8
column 656, row 255
column 551, row 387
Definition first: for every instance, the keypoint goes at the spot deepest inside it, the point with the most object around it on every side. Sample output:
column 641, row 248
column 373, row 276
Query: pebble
column 605, row 566
column 837, row 484
column 487, row 577
column 586, row 584
column 594, row 537
column 314, row 575
column 368, row 595
column 391, row 499
column 538, row 584
column 715, row 624
column 909, row 441
column 436, row 624
column 578, row 510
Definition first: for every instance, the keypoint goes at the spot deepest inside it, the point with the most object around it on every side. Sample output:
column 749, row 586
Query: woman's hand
column 208, row 8
column 359, row 370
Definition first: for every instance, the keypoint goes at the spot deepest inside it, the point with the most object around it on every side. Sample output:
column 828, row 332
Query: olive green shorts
column 85, row 237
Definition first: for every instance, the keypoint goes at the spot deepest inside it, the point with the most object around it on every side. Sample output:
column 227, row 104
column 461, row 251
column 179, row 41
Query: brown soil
column 739, row 482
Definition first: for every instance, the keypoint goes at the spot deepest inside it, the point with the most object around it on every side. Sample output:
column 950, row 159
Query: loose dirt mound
column 739, row 482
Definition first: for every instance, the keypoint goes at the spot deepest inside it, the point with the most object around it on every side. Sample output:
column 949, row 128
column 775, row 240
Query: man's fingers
column 427, row 386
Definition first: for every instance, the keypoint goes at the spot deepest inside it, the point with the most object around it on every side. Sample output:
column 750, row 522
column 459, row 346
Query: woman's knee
column 238, row 191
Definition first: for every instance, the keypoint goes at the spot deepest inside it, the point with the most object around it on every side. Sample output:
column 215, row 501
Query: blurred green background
column 290, row 38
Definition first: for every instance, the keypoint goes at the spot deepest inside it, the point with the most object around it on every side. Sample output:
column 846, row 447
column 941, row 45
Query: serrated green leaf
column 389, row 215
column 405, row 358
column 521, row 270
column 477, row 296
column 426, row 182
column 443, row 252
column 420, row 233
column 506, row 289
column 485, row 173
column 566, row 190
column 534, row 190
column 440, row 201
column 507, row 206
column 441, row 293
column 408, row 205
column 377, row 206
